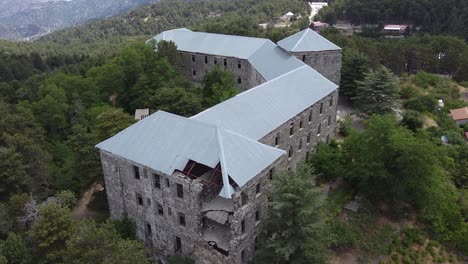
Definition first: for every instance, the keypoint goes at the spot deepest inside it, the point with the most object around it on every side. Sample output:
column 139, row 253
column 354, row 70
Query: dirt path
column 81, row 210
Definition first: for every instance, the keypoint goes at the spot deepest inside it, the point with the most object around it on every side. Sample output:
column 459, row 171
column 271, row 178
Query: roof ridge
column 299, row 41
column 250, row 90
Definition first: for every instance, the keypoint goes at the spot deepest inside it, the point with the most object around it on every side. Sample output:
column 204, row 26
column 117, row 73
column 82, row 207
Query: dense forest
column 431, row 16
column 67, row 91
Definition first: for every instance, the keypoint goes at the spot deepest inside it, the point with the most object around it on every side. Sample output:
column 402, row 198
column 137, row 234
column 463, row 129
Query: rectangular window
column 180, row 191
column 215, row 61
column 181, row 219
column 300, row 144
column 243, row 198
column 168, row 184
column 225, row 62
column 157, row 181
column 277, row 140
column 310, row 116
column 257, row 188
column 309, row 135
column 303, row 57
column 291, row 129
column 329, row 120
column 194, row 72
column 270, row 174
column 243, row 255
column 243, row 227
column 290, row 152
column 136, row 172
column 321, row 108
column 319, row 129
column 148, row 229
column 256, row 243
column 139, row 199
column 206, row 59
column 239, row 80
column 160, row 209
column 178, row 244
column 239, row 65
column 193, row 58
column 300, row 124
column 331, row 101
column 257, row 216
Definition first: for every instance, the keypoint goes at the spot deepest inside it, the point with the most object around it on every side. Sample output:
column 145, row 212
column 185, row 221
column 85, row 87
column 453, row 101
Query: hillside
column 30, row 18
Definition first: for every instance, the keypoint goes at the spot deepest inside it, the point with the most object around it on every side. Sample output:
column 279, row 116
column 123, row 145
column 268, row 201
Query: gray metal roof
column 166, row 142
column 208, row 43
column 265, row 56
column 258, row 111
column 271, row 61
column 307, row 40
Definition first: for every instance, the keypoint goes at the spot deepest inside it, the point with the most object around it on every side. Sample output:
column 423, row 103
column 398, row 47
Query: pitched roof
column 208, row 43
column 460, row 113
column 264, row 55
column 166, row 142
column 307, row 40
column 258, row 111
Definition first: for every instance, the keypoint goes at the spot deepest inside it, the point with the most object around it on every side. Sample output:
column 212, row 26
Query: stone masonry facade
column 179, row 215
column 196, row 65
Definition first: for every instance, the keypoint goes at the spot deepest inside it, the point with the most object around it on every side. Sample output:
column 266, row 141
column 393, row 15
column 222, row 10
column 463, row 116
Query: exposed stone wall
column 196, row 65
column 328, row 63
column 123, row 190
column 293, row 142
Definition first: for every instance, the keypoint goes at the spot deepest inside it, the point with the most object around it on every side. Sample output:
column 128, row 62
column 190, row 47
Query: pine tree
column 377, row 93
column 355, row 66
column 296, row 222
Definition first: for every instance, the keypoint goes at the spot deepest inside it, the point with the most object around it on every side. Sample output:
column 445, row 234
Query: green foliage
column 377, row 93
column 354, row 69
column 413, row 235
column 345, row 125
column 295, row 221
column 53, row 228
column 218, row 85
column 14, row 249
column 326, row 161
column 180, row 101
column 412, row 120
column 126, row 228
column 421, row 104
column 96, row 244
column 110, row 122
column 66, row 198
column 180, row 260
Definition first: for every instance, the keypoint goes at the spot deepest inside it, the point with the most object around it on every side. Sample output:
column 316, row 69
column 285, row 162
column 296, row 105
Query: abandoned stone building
column 196, row 186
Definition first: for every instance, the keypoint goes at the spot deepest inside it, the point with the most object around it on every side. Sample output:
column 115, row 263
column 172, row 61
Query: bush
column 408, row 91
column 426, row 80
column 412, row 120
column 413, row 235
column 125, row 227
column 421, row 104
column 345, row 125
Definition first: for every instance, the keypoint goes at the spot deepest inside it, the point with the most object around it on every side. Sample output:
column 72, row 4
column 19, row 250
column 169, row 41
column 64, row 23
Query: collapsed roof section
column 166, row 142
column 307, row 40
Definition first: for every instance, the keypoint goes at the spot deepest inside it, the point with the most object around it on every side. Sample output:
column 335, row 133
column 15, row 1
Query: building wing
column 260, row 110
column 307, row 40
column 166, row 142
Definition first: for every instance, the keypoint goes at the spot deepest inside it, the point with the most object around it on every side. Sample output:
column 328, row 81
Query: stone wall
column 196, row 65
column 304, row 140
column 123, row 190
column 328, row 63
